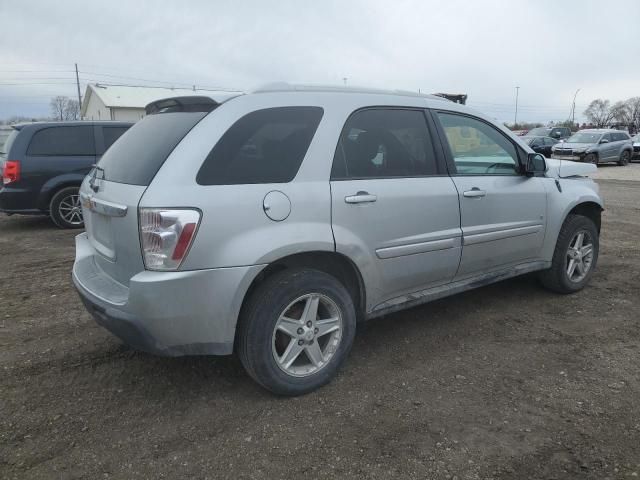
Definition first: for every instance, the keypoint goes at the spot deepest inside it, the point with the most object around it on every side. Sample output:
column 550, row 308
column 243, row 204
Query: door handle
column 360, row 197
column 475, row 192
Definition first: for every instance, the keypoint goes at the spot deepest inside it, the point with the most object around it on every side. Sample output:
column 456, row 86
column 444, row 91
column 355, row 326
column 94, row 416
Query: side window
column 478, row 148
column 550, row 141
column 63, row 141
column 265, row 146
column 382, row 143
column 608, row 137
column 111, row 134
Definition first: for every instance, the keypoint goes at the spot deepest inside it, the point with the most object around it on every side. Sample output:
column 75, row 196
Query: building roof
column 131, row 96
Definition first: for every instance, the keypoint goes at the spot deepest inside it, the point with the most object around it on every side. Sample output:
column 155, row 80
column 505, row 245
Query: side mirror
column 535, row 164
column 604, row 140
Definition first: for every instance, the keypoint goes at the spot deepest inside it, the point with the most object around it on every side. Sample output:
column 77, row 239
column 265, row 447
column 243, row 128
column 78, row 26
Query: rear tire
column 275, row 324
column 624, row 158
column 65, row 209
column 561, row 278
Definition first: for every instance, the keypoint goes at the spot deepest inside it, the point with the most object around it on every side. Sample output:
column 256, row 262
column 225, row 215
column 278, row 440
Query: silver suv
column 595, row 146
column 269, row 224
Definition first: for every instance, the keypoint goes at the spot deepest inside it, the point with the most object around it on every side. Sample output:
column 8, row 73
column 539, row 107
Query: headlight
column 579, row 150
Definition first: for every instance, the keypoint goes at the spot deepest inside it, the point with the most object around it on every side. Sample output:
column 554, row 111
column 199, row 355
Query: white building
column 126, row 103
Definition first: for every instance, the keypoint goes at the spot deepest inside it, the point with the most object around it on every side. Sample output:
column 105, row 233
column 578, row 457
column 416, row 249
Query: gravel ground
column 505, row 382
column 611, row 171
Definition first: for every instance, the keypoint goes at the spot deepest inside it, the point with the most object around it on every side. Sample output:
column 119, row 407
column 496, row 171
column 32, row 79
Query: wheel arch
column 332, row 263
column 589, row 209
column 54, row 185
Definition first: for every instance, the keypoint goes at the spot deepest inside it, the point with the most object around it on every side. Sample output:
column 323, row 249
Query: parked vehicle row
column 269, row 223
column 541, row 145
column 596, row 146
column 44, row 163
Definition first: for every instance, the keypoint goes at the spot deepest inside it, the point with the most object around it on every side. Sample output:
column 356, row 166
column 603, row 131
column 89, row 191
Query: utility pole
column 344, row 79
column 79, row 97
column 573, row 108
column 515, row 118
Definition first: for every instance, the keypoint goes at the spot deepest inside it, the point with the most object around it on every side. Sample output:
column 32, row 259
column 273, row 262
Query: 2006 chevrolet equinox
column 268, row 224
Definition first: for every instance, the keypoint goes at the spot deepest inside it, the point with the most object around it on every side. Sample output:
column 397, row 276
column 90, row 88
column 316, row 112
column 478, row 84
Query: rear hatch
column 111, row 193
column 6, row 140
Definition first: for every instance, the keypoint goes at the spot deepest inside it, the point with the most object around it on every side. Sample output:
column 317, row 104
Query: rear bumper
column 165, row 313
column 18, row 200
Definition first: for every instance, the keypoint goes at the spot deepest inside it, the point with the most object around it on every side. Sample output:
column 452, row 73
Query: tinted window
column 550, row 141
column 620, row 136
column 63, row 141
column 111, row 134
column 607, row 136
column 265, row 146
column 379, row 143
column 8, row 142
column 139, row 154
column 478, row 148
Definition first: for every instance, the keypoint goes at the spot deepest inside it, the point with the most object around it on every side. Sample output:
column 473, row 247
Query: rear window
column 265, row 146
column 111, row 134
column 137, row 156
column 5, row 145
column 63, row 141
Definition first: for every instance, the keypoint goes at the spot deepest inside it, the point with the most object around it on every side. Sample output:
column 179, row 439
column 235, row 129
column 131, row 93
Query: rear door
column 57, row 150
column 502, row 211
column 393, row 211
column 111, row 193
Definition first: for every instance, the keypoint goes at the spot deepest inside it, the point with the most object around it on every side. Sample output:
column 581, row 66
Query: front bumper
column 165, row 313
column 578, row 157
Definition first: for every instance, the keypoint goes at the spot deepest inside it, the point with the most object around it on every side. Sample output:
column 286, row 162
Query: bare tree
column 72, row 110
column 599, row 112
column 633, row 104
column 621, row 112
column 63, row 108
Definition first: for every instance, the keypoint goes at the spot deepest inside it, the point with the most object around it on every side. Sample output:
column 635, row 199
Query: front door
column 502, row 211
column 393, row 213
column 609, row 149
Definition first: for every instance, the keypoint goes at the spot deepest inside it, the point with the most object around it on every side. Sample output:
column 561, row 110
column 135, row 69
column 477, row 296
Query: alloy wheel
column 70, row 209
column 307, row 335
column 579, row 256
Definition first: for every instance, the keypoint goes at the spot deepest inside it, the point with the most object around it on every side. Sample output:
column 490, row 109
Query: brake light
column 11, row 172
column 166, row 235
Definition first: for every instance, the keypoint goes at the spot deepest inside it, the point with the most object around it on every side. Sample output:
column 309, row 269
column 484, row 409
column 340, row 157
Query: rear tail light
column 166, row 235
column 11, row 172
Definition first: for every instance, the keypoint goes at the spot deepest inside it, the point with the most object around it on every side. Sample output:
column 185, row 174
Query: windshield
column 636, row 138
column 584, row 137
column 6, row 141
column 539, row 132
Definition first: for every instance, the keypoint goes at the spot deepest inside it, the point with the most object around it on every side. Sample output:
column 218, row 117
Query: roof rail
column 289, row 87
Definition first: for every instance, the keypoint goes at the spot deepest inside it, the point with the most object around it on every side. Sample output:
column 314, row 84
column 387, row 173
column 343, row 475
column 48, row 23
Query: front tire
column 624, row 158
column 591, row 158
column 296, row 330
column 65, row 209
column 575, row 256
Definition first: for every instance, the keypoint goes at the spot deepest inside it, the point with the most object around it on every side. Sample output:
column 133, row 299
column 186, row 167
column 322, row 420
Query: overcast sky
column 548, row 48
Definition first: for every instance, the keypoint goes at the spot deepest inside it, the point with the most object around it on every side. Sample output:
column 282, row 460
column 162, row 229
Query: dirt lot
column 508, row 381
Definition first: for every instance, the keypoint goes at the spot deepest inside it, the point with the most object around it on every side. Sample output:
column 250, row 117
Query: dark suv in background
column 559, row 133
column 43, row 165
